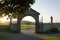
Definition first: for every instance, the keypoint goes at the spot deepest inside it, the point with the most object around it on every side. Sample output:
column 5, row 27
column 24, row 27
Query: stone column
column 19, row 24
column 38, row 27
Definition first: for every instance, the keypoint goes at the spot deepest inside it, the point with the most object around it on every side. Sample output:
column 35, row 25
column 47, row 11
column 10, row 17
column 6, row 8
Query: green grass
column 4, row 30
column 1, row 37
column 27, row 26
column 51, row 38
column 22, row 27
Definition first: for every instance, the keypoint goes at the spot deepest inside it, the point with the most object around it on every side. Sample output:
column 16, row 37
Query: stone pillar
column 38, row 27
column 41, row 25
column 19, row 24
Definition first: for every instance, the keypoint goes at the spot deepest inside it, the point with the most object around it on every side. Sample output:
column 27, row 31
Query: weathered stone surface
column 13, row 27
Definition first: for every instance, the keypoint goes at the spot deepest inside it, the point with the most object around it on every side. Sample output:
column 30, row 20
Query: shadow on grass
column 8, row 30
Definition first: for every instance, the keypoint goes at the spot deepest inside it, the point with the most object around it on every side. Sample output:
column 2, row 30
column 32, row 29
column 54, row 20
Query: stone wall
column 47, row 26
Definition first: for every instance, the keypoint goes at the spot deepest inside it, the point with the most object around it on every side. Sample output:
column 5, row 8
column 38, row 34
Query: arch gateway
column 35, row 15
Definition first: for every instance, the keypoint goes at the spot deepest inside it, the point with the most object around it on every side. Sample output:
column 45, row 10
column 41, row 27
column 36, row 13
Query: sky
column 47, row 8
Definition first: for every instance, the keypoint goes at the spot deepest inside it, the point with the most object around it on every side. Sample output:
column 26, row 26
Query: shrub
column 53, row 30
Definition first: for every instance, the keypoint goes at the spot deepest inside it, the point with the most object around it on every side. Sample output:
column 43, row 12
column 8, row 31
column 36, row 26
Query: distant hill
column 22, row 22
column 27, row 22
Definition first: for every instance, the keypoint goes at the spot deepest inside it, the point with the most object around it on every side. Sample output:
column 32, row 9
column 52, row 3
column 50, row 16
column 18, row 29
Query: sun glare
column 4, row 19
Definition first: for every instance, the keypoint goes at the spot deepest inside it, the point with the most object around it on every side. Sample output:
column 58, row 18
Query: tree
column 16, row 7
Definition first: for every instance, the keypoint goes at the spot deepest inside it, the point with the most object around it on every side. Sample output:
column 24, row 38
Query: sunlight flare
column 4, row 19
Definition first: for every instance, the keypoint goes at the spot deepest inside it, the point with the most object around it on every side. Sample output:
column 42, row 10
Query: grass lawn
column 1, row 37
column 23, row 26
column 51, row 38
column 27, row 26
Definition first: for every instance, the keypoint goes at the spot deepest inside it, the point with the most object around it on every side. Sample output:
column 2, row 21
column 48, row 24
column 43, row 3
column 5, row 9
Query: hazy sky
column 48, row 8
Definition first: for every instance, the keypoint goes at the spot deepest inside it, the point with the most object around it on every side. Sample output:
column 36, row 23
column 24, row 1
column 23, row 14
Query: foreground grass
column 1, row 37
column 51, row 38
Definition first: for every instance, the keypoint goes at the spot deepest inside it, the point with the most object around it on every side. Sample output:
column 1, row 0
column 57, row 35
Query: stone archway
column 35, row 15
column 28, row 26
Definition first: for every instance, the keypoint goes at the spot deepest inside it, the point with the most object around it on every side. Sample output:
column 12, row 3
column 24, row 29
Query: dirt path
column 32, row 33
column 40, row 36
column 26, row 35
